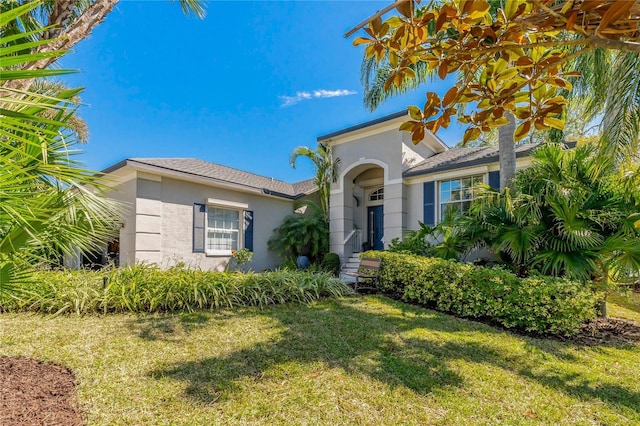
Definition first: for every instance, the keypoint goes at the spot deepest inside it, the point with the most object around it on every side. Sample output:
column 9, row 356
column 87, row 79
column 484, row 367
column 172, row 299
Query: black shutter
column 430, row 203
column 494, row 180
column 248, row 229
column 199, row 221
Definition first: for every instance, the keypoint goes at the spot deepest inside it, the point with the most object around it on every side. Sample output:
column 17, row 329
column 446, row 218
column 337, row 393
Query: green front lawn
column 625, row 305
column 366, row 360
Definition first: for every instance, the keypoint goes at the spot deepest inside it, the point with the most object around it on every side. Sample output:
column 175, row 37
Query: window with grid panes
column 223, row 230
column 377, row 195
column 457, row 194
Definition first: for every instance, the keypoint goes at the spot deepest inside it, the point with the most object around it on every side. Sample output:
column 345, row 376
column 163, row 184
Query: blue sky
column 243, row 87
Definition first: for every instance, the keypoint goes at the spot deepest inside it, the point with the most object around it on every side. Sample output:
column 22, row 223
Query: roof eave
column 190, row 177
column 478, row 162
column 368, row 124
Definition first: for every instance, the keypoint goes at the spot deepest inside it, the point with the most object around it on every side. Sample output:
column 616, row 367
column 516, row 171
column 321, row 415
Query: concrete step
column 347, row 279
column 351, row 265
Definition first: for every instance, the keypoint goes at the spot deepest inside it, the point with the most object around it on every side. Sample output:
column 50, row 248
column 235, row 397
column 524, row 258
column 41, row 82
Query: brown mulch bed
column 609, row 332
column 35, row 393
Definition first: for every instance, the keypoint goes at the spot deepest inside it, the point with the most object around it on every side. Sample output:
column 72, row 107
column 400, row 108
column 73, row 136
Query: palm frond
column 50, row 204
column 374, row 75
column 621, row 126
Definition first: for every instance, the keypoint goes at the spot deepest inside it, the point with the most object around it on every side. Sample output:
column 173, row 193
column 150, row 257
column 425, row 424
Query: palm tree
column 326, row 170
column 610, row 83
column 50, row 204
column 571, row 213
column 53, row 88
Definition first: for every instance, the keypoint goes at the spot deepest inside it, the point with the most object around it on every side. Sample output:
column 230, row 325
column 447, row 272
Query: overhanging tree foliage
column 513, row 60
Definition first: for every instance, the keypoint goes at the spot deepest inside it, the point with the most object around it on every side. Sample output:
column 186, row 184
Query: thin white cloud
column 321, row 93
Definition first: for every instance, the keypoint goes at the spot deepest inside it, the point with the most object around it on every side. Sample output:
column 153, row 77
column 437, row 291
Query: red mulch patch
column 34, row 393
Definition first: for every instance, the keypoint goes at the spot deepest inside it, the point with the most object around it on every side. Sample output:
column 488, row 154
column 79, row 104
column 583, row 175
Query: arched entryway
column 357, row 209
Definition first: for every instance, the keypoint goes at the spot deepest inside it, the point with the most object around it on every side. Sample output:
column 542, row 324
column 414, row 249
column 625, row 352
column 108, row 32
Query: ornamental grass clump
column 535, row 304
column 144, row 288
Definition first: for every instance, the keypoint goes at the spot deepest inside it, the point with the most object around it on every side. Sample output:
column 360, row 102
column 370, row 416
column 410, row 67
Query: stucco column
column 148, row 221
column 394, row 212
column 340, row 218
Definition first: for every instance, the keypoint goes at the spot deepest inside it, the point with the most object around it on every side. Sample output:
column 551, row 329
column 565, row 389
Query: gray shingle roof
column 224, row 174
column 457, row 158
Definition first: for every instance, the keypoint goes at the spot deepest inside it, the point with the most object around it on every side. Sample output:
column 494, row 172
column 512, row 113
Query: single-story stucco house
column 192, row 211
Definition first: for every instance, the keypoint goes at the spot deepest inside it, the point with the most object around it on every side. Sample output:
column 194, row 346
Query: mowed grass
column 625, row 305
column 361, row 360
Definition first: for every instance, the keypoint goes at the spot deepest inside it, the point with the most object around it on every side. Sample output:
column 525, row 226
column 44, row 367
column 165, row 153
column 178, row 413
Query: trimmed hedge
column 144, row 288
column 537, row 304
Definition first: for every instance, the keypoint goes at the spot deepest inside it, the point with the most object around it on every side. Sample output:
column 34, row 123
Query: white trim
column 448, row 174
column 390, row 125
column 218, row 253
column 364, row 132
column 461, row 173
column 184, row 176
column 116, row 179
column 393, row 181
column 227, row 204
column 363, row 161
column 370, row 192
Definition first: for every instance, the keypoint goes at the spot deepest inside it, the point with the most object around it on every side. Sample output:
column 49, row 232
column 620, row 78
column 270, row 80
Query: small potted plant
column 240, row 257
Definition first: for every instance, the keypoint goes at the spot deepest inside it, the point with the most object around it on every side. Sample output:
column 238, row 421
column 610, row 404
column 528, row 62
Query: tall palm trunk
column 507, row 151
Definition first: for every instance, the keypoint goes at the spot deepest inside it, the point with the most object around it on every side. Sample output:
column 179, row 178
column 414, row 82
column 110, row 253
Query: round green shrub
column 331, row 263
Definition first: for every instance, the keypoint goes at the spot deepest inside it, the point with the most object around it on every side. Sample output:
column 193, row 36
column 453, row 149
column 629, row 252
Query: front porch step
column 350, row 266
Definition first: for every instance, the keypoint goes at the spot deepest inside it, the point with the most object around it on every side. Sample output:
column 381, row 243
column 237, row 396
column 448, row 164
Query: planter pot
column 303, row 262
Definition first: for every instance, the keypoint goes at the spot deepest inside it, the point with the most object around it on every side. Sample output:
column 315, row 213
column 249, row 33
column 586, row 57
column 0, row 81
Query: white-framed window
column 222, row 231
column 457, row 194
column 377, row 195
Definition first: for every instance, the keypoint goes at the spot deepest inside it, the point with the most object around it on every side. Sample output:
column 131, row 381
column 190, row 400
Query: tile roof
column 457, row 158
column 223, row 174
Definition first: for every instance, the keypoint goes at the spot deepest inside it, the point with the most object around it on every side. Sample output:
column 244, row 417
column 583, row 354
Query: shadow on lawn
column 339, row 334
column 166, row 328
column 334, row 333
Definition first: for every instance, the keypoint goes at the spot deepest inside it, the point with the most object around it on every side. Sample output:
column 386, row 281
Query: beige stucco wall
column 172, row 241
column 148, row 221
column 126, row 192
column 385, row 147
column 415, row 205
